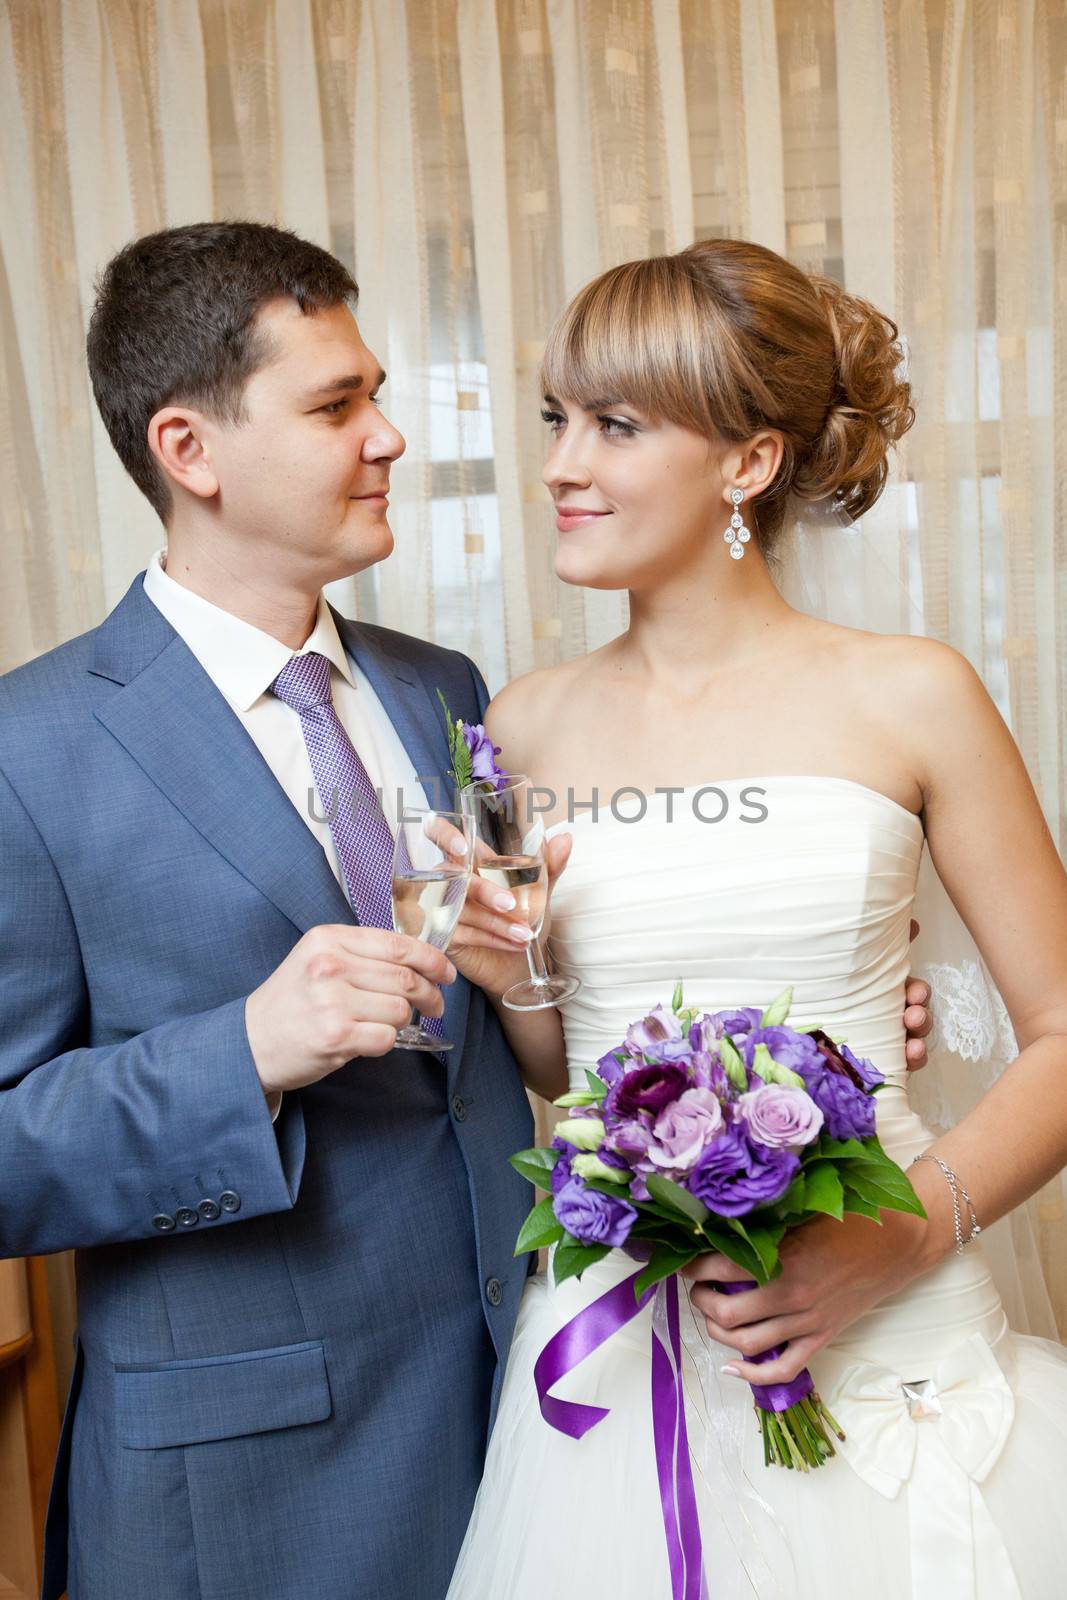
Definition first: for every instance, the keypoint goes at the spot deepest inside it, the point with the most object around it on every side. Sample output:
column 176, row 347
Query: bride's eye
column 553, row 418
column 617, row 427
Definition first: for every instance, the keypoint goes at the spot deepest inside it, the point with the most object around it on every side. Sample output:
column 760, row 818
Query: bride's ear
column 753, row 466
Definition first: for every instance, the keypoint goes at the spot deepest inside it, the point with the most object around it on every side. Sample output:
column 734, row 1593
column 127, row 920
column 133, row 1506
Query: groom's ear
column 178, row 440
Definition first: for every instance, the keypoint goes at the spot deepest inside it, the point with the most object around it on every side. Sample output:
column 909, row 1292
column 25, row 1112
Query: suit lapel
column 176, row 725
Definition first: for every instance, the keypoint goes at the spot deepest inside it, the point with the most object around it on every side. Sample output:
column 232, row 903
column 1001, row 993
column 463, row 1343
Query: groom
column 296, row 1285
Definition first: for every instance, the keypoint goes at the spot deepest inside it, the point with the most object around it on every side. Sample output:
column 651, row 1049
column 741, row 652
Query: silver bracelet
column 958, row 1188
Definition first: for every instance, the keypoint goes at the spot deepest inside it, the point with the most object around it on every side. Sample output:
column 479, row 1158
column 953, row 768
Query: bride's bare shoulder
column 522, row 715
column 927, row 668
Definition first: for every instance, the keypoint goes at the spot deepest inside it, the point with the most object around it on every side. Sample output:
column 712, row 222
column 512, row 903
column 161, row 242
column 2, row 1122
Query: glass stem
column 535, row 960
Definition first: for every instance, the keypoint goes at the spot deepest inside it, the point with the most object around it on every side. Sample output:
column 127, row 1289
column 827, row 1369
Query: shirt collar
column 241, row 660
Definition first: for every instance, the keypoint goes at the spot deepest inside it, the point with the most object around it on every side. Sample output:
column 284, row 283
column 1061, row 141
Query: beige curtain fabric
column 475, row 161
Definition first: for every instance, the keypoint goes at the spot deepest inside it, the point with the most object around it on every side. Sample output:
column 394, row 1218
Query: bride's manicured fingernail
column 519, row 933
column 504, row 902
column 730, row 1371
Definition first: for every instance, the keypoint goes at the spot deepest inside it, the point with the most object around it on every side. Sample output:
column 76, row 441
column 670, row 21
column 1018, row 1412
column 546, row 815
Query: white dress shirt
column 242, row 662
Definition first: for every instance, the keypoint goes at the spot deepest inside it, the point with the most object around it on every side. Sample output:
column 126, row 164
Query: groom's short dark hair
column 174, row 322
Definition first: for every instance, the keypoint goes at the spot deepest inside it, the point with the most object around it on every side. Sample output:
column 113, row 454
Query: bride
column 765, row 784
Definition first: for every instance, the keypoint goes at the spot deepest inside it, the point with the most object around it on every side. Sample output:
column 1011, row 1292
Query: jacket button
column 187, row 1217
column 208, row 1210
column 163, row 1222
column 494, row 1292
column 230, row 1200
column 459, row 1108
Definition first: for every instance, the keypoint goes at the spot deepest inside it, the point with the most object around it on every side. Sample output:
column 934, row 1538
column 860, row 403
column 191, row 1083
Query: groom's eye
column 335, row 407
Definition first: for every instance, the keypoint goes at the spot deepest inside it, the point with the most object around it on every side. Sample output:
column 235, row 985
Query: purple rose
column 483, row 754
column 661, row 1027
column 734, row 1176
column 779, row 1117
column 647, row 1089
column 849, row 1112
column 682, row 1131
column 592, row 1217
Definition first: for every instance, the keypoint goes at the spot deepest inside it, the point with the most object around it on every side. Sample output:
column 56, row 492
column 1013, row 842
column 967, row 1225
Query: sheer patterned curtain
column 475, row 161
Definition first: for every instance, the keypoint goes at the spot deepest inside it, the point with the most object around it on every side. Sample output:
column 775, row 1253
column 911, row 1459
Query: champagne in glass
column 510, row 851
column 431, row 871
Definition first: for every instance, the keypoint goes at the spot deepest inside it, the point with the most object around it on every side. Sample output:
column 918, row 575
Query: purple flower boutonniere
column 473, row 753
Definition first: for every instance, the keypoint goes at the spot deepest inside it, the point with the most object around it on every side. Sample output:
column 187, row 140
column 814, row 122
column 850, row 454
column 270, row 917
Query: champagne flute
column 431, row 870
column 509, row 850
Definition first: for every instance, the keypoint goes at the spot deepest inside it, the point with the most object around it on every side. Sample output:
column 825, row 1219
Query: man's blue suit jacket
column 287, row 1393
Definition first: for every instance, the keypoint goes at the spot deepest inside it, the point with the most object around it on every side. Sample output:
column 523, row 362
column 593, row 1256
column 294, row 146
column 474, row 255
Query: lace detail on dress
column 970, row 1019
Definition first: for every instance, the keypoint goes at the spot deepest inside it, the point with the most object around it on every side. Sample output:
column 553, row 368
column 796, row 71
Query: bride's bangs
column 631, row 337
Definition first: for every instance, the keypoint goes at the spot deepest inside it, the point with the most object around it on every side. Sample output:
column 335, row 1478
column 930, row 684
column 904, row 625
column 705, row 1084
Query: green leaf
column 764, row 1242
column 792, row 1202
column 540, row 1228
column 863, row 1208
column 537, row 1165
column 884, row 1186
column 671, row 1194
column 732, row 1063
column 838, row 1149
column 664, row 1262
column 738, row 1250
column 823, row 1190
column 617, row 1191
column 778, row 1010
column 578, row 1098
column 597, row 1087
column 572, row 1258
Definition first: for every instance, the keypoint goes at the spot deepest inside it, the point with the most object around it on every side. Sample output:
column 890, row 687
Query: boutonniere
column 472, row 753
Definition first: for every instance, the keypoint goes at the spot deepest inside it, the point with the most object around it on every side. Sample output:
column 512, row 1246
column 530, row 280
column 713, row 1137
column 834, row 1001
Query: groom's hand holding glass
column 342, row 991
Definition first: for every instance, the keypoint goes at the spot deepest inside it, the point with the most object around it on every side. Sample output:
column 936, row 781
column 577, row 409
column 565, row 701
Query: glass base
column 412, row 1038
column 538, row 996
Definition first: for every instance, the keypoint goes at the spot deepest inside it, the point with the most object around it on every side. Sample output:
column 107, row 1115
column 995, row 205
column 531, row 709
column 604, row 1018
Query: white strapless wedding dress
column 962, row 1503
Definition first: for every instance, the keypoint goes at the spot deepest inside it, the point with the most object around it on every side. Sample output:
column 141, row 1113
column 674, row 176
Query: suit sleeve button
column 187, row 1217
column 208, row 1210
column 163, row 1222
column 459, row 1108
column 230, row 1200
column 494, row 1291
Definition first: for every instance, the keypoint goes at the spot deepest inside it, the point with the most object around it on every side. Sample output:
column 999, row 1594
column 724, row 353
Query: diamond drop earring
column 737, row 535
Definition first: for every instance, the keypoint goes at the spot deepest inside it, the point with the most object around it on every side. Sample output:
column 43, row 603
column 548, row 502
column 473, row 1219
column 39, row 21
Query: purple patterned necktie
column 360, row 832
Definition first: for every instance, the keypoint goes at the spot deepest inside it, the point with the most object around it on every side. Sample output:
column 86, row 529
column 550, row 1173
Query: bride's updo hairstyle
column 727, row 338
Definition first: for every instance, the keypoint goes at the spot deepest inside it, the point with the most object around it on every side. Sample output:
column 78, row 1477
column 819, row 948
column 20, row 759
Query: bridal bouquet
column 716, row 1133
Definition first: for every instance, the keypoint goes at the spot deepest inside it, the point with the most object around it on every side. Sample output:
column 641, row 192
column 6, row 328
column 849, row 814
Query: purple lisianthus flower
column 683, row 1129
column 734, row 1022
column 630, row 1139
column 609, row 1068
column 483, row 754
column 733, row 1176
column 789, row 1048
column 661, row 1027
column 561, row 1172
column 839, row 1058
column 848, row 1112
column 646, row 1089
column 779, row 1117
column 592, row 1217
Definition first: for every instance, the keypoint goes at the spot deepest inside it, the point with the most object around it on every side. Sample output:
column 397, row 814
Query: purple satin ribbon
column 586, row 1332
column 772, row 1396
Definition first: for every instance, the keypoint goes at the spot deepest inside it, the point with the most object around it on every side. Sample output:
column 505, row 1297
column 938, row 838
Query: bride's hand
column 488, row 944
column 832, row 1272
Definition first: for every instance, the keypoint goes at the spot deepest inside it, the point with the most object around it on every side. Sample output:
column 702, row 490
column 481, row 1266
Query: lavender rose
column 647, row 1089
column 682, row 1131
column 734, row 1176
column 780, row 1118
column 591, row 1217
